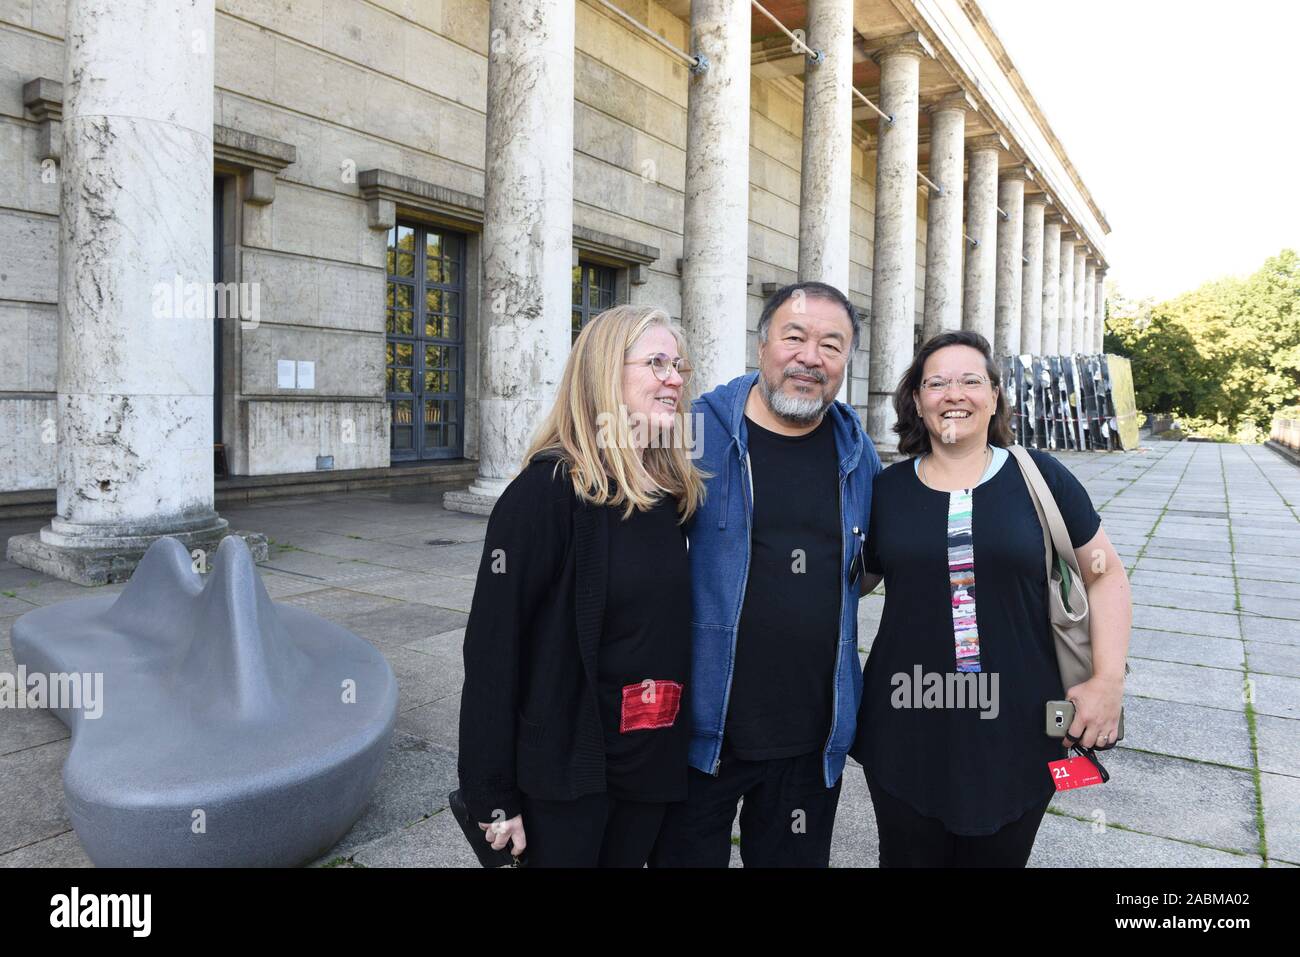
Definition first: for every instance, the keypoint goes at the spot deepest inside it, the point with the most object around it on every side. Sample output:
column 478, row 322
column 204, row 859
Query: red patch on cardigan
column 650, row 704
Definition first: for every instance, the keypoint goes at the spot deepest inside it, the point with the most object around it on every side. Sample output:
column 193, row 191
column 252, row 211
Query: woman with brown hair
column 951, row 731
column 577, row 646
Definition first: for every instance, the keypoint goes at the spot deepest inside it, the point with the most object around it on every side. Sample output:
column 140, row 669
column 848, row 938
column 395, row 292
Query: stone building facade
column 407, row 207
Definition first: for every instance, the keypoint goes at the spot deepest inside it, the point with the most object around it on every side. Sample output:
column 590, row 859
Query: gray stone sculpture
column 234, row 731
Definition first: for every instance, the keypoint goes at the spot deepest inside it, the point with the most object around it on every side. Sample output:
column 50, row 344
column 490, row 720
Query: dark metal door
column 425, row 348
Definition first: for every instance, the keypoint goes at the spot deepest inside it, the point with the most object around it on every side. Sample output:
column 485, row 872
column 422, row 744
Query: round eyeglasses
column 970, row 382
column 660, row 363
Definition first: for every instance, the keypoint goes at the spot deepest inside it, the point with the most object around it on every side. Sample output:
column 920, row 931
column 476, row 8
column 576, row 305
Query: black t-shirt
column 645, row 656
column 974, row 773
column 783, row 683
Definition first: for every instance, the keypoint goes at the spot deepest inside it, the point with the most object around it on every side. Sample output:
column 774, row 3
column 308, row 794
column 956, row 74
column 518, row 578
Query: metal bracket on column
column 816, row 58
column 700, row 66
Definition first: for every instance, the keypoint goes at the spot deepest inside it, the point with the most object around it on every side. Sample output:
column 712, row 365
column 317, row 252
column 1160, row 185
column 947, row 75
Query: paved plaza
column 1209, row 774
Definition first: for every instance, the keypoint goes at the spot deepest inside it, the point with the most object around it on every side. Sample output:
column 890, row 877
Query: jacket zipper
column 749, row 535
column 839, row 636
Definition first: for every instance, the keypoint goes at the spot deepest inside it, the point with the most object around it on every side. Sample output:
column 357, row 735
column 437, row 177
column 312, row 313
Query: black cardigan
column 529, row 718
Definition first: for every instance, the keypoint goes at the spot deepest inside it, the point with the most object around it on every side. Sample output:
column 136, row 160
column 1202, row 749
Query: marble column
column 1050, row 341
column 1089, row 313
column 1031, row 284
column 135, row 371
column 715, row 246
column 979, row 288
column 1080, row 285
column 526, row 301
column 1010, row 264
column 893, row 279
column 943, row 237
column 826, row 171
column 1099, row 311
column 1065, row 339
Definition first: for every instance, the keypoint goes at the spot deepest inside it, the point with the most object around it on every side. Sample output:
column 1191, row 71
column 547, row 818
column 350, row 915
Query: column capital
column 988, row 141
column 905, row 44
column 1068, row 235
column 1037, row 199
column 1020, row 172
column 958, row 100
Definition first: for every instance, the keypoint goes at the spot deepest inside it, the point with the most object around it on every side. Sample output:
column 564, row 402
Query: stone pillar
column 1010, row 264
column 1089, row 321
column 979, row 289
column 135, row 369
column 826, row 171
column 1080, row 284
column 943, row 238
column 1099, row 311
column 715, row 248
column 893, row 279
column 1051, row 285
column 1031, row 285
column 1065, row 340
column 527, row 300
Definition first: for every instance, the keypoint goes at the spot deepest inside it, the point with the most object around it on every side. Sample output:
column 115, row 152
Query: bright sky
column 1181, row 117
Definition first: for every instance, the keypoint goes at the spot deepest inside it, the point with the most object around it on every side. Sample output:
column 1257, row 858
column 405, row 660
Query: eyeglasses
column 970, row 382
column 660, row 363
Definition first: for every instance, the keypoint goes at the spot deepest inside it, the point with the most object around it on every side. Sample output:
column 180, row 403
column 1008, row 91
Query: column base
column 101, row 563
column 478, row 499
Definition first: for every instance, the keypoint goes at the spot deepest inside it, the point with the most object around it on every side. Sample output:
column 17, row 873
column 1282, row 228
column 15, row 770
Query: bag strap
column 1048, row 512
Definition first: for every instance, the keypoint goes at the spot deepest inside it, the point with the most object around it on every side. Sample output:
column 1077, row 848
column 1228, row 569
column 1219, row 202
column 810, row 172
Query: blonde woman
column 578, row 642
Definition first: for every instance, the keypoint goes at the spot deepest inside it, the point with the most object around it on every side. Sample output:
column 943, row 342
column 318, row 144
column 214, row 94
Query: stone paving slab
column 1188, row 622
column 415, row 782
column 1282, row 810
column 1066, row 842
column 31, row 795
column 1184, row 598
column 1277, row 695
column 1276, row 630
column 64, row 850
column 1187, row 730
column 1270, row 658
column 1172, row 797
column 1190, row 684
column 1279, row 744
column 1185, row 649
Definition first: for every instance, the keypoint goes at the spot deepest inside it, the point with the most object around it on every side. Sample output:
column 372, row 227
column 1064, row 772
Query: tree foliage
column 1224, row 357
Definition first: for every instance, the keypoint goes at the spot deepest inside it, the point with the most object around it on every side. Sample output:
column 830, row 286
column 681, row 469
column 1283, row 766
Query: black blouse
column 966, row 748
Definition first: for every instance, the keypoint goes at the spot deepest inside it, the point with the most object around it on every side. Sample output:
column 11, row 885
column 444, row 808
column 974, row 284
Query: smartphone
column 1060, row 715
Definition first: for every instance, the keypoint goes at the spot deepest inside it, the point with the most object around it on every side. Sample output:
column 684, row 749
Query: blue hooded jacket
column 719, row 534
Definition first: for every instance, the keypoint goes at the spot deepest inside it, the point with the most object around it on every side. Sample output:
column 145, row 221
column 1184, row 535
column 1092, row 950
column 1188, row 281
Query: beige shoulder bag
column 1067, row 599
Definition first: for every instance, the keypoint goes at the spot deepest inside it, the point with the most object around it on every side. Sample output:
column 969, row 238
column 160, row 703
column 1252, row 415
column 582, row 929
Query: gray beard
column 791, row 408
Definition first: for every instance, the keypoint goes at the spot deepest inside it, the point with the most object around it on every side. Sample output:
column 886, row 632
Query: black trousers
column 908, row 839
column 785, row 821
column 593, row 831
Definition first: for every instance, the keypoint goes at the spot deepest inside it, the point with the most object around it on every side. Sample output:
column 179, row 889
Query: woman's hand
column 501, row 832
column 1097, row 704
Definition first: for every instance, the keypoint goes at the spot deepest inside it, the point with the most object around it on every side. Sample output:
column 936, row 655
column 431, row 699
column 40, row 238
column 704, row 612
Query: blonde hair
column 590, row 396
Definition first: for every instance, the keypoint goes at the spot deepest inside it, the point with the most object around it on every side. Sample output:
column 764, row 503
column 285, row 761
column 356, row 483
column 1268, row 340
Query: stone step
column 240, row 489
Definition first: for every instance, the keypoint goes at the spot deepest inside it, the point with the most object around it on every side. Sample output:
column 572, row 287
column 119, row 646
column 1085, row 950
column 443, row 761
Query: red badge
column 1074, row 773
column 650, row 704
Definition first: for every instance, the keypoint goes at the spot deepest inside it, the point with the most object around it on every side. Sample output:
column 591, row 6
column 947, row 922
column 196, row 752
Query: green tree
column 1224, row 357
